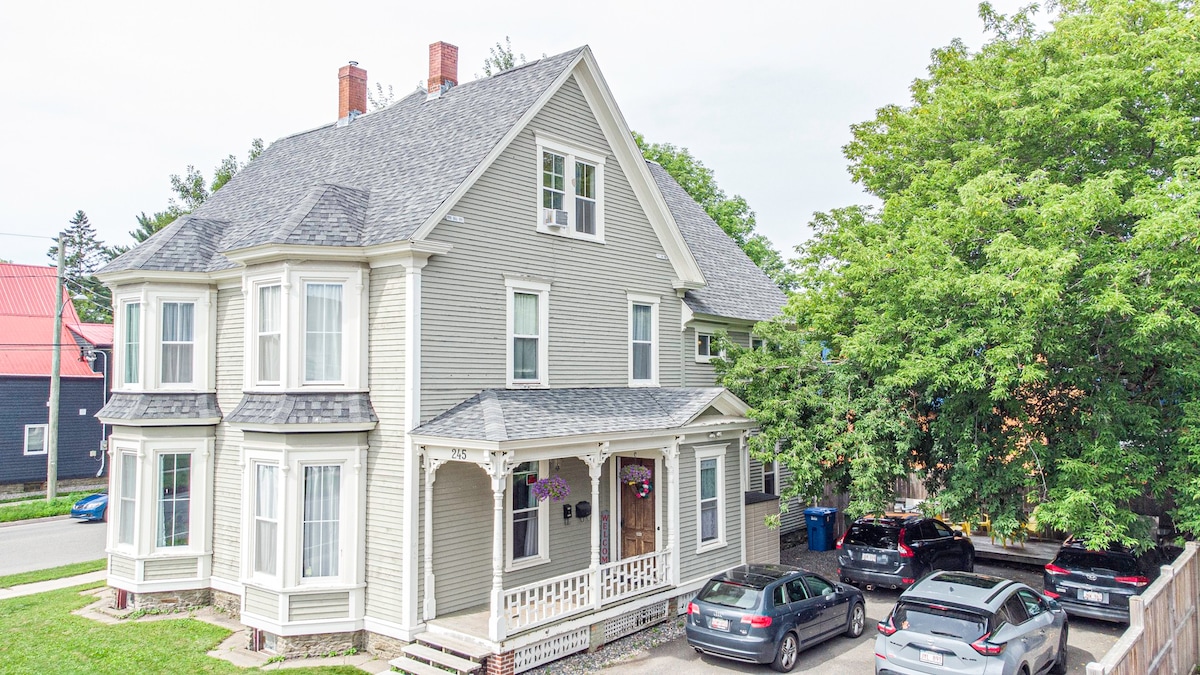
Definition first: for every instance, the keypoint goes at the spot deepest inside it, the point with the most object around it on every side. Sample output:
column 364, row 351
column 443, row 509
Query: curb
column 27, row 521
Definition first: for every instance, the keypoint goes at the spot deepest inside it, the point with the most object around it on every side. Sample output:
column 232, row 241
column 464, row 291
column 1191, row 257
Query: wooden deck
column 1033, row 552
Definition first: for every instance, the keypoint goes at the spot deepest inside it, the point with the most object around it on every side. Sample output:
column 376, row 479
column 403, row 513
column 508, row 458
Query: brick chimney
column 352, row 92
column 443, row 67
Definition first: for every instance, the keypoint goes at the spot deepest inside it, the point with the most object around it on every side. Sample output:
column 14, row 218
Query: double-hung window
column 528, row 536
column 770, row 473
column 528, row 328
column 571, row 187
column 178, row 342
column 322, row 332
column 266, row 517
column 174, row 499
column 321, row 525
column 35, row 439
column 127, row 498
column 710, row 493
column 643, row 340
column 269, row 319
column 131, row 355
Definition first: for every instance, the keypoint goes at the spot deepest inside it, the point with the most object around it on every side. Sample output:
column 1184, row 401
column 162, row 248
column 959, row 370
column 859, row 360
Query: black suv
column 897, row 549
column 1098, row 584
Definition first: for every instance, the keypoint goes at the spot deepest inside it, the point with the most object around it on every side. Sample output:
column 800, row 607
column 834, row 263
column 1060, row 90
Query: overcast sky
column 103, row 101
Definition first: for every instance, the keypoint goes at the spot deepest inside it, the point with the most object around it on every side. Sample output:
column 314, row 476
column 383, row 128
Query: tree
column 1019, row 321
column 84, row 253
column 733, row 214
column 501, row 59
column 380, row 99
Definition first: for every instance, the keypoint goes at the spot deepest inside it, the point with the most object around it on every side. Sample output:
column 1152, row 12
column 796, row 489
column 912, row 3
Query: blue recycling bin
column 820, row 521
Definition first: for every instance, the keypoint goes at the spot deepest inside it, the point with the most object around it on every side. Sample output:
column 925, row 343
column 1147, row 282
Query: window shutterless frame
column 527, row 341
column 131, row 342
column 570, row 188
column 643, row 340
column 524, row 512
column 35, row 439
column 710, row 497
column 268, row 335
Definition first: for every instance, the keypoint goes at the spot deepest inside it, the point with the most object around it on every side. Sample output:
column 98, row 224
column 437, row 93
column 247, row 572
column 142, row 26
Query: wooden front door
column 637, row 513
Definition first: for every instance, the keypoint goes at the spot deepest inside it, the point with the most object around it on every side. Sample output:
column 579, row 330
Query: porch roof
column 498, row 415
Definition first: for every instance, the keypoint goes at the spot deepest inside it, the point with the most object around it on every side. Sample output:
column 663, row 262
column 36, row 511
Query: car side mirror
column 1053, row 604
column 958, row 533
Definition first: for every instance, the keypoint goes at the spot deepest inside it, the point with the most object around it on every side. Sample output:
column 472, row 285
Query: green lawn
column 40, row 508
column 52, row 573
column 38, row 634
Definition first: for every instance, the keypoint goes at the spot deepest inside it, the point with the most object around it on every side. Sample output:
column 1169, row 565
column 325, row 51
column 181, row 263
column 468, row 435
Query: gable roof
column 27, row 307
column 734, row 286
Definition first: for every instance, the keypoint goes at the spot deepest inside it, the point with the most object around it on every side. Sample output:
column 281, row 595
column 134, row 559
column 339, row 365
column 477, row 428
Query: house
column 342, row 381
column 27, row 308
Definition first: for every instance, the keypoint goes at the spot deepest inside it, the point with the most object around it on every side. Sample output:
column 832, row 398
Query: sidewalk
column 52, row 585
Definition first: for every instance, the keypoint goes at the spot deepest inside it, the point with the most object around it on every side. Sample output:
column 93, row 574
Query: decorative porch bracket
column 595, row 464
column 499, row 466
column 431, row 467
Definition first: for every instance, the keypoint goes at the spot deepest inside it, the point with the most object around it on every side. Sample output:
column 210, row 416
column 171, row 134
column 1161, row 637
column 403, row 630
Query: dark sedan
column 769, row 613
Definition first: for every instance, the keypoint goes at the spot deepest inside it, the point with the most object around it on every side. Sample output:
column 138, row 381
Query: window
column 35, row 439
column 269, row 318
column 266, row 519
column 816, row 585
column 710, row 478
column 571, row 188
column 127, row 506
column 705, row 345
column 528, row 326
column 1014, row 610
column 643, row 340
column 796, row 590
column 322, row 332
column 174, row 499
column 322, row 502
column 757, row 343
column 178, row 336
column 525, row 512
column 132, row 355
column 770, row 471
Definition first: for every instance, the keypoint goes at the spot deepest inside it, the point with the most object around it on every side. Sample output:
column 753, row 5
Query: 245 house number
column 458, row 453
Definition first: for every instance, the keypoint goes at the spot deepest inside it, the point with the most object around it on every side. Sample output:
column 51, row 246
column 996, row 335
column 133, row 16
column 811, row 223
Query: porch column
column 431, row 467
column 671, row 463
column 499, row 466
column 595, row 464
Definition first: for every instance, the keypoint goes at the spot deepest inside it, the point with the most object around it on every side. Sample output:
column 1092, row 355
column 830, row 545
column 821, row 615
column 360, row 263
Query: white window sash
column 127, row 498
column 174, row 500
column 324, row 315
column 535, row 517
column 38, row 432
column 267, row 347
column 582, row 192
column 321, row 521
column 131, row 354
column 178, row 342
column 266, row 519
column 710, row 506
column 526, row 331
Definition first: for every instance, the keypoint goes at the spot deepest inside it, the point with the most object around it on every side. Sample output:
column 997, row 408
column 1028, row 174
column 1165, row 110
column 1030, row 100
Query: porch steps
column 448, row 643
column 439, row 655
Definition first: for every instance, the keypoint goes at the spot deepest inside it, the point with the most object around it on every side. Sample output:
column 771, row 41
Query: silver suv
column 958, row 622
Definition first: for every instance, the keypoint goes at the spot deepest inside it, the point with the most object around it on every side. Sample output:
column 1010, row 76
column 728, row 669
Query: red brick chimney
column 352, row 90
column 443, row 67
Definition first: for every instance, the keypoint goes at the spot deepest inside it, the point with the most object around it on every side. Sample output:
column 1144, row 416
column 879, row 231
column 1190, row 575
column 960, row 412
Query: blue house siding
column 23, row 401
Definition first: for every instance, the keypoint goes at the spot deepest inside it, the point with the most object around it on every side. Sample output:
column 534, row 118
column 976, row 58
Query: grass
column 40, row 508
column 52, row 573
column 38, row 634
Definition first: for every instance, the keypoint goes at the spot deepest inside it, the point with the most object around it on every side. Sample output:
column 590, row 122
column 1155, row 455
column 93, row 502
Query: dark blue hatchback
column 769, row 613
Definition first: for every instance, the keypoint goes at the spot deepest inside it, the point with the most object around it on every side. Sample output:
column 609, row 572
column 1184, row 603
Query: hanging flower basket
column 637, row 477
column 553, row 488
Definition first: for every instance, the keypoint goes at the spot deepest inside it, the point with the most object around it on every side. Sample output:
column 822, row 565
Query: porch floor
column 471, row 621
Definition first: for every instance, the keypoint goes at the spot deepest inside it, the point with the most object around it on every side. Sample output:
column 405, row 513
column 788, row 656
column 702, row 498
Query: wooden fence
column 1163, row 637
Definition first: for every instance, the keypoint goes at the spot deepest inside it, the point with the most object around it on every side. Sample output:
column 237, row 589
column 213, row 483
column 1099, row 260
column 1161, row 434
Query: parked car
column 959, row 622
column 1098, row 584
column 91, row 507
column 897, row 549
column 769, row 613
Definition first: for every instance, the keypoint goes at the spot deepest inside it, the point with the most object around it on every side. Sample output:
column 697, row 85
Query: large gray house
column 344, row 381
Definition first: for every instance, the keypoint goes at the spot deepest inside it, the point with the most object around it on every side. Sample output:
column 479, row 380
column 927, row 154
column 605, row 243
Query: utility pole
column 55, row 376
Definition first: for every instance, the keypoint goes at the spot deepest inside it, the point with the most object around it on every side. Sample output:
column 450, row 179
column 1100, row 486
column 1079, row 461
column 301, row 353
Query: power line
column 31, row 236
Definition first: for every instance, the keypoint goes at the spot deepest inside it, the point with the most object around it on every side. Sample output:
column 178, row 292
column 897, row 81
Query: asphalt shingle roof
column 126, row 406
column 334, row 408
column 521, row 414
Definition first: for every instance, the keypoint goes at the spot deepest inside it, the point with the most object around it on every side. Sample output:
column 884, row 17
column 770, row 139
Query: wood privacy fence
column 1163, row 637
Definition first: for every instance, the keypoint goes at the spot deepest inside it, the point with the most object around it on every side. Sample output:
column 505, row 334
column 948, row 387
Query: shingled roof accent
column 735, row 286
column 133, row 407
column 522, row 414
column 328, row 215
column 408, row 157
column 331, row 408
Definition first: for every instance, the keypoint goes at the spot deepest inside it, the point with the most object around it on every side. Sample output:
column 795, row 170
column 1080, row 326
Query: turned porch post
column 431, row 467
column 595, row 464
column 499, row 466
column 671, row 462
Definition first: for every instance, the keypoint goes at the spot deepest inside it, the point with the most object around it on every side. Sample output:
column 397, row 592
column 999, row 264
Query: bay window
column 570, row 183
column 174, row 500
column 269, row 318
column 322, row 332
column 266, row 519
column 178, row 342
column 127, row 498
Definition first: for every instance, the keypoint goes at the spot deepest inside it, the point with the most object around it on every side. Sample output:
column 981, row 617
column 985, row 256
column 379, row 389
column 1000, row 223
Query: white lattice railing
column 543, row 601
column 633, row 576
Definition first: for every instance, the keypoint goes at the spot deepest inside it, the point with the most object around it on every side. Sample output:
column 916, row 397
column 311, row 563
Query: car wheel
column 858, row 620
column 786, row 653
column 1060, row 661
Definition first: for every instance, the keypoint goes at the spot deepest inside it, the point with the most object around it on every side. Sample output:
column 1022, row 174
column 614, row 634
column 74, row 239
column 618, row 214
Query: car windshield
column 938, row 620
column 730, row 595
column 1117, row 564
column 874, row 536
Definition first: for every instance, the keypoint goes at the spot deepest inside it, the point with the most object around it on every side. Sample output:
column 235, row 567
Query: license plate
column 718, row 624
column 868, row 557
column 1091, row 596
column 931, row 657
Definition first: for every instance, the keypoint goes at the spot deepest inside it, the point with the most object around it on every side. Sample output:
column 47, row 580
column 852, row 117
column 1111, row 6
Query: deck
column 1032, row 552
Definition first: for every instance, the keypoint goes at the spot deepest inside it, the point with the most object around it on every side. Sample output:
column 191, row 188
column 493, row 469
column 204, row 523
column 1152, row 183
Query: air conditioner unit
column 554, row 217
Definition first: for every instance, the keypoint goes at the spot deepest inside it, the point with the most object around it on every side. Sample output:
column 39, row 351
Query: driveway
column 40, row 544
column 1088, row 641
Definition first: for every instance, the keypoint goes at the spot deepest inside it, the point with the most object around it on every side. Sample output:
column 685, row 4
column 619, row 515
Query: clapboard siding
column 462, row 536
column 693, row 565
column 385, row 459
column 262, row 603
column 121, row 567
column 702, row 374
column 161, row 569
column 79, row 433
column 227, row 475
column 464, row 296
column 570, row 540
column 315, row 606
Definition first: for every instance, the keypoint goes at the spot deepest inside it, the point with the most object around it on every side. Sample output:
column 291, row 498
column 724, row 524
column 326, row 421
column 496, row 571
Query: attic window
column 570, row 189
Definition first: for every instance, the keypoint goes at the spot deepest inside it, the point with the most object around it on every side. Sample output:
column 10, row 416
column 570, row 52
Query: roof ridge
column 297, row 215
column 493, row 414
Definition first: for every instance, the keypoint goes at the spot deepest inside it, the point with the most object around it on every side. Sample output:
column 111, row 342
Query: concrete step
column 414, row 667
column 446, row 643
column 441, row 658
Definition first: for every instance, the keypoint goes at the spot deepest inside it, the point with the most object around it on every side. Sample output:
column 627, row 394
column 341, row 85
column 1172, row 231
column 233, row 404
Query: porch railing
column 553, row 599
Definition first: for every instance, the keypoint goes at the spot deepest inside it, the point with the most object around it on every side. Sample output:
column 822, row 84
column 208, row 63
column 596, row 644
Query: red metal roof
column 27, row 323
column 99, row 334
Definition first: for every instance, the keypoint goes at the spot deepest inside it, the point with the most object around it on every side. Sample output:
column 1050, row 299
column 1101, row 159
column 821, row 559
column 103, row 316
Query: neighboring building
column 27, row 308
column 338, row 381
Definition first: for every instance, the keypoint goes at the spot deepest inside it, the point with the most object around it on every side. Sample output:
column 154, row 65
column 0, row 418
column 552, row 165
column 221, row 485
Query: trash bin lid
column 819, row 510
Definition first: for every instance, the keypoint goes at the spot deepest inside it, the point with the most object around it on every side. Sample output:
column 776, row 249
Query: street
column 35, row 545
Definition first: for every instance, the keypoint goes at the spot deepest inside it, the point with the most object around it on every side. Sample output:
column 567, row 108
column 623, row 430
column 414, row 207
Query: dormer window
column 571, row 188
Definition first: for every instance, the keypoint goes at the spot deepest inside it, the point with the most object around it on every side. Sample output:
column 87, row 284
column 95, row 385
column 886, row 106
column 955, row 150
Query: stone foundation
column 383, row 646
column 318, row 644
column 168, row 601
column 228, row 603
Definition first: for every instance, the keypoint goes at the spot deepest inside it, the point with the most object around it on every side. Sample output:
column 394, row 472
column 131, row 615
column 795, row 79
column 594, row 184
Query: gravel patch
column 616, row 651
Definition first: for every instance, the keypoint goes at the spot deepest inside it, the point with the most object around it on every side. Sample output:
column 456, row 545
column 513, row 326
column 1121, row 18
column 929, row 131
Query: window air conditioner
column 554, row 217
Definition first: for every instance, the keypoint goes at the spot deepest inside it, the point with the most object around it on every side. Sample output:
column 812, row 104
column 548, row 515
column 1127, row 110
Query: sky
column 103, row 101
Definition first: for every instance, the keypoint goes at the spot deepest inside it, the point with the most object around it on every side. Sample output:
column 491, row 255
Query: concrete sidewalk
column 52, row 585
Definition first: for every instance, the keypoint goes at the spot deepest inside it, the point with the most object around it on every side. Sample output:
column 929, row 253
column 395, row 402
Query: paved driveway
column 39, row 544
column 1088, row 640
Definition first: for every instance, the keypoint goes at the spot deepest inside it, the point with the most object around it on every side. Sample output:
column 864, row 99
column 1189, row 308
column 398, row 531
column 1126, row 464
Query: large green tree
column 84, row 253
column 1020, row 321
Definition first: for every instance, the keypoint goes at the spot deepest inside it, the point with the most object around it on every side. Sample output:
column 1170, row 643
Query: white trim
column 655, row 342
column 572, row 153
column 707, row 358
column 541, row 289
column 615, row 492
column 227, row 586
column 45, row 430
column 706, row 452
column 543, row 525
column 151, row 298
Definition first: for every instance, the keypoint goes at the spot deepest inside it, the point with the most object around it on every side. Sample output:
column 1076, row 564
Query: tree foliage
column 1019, row 323
column 84, row 253
column 501, row 58
column 733, row 214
